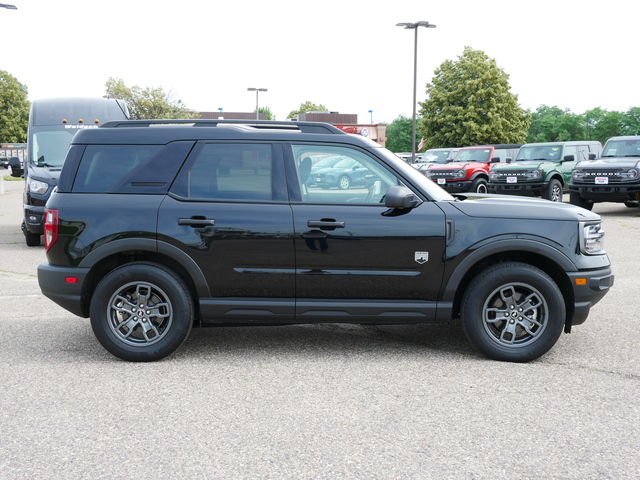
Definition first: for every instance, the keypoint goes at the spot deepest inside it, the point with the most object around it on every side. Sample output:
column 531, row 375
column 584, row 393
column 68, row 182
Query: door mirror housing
column 400, row 197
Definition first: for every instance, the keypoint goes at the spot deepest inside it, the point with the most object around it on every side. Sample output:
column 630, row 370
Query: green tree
column 602, row 124
column 307, row 107
column 14, row 109
column 552, row 124
column 632, row 122
column 267, row 111
column 399, row 134
column 469, row 102
column 148, row 103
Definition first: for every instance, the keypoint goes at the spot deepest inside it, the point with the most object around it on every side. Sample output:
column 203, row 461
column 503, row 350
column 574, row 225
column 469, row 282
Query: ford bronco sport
column 159, row 226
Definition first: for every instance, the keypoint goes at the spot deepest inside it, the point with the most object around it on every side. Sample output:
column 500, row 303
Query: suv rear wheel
column 513, row 312
column 141, row 312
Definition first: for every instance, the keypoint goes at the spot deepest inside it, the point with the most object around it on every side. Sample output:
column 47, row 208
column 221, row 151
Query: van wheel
column 31, row 239
column 553, row 191
column 141, row 312
column 513, row 312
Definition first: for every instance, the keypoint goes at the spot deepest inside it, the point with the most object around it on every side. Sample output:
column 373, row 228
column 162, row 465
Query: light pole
column 414, row 26
column 371, row 113
column 257, row 90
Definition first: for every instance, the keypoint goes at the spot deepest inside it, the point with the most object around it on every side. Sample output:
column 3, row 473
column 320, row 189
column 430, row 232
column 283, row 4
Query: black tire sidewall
column 548, row 192
column 490, row 279
column 173, row 287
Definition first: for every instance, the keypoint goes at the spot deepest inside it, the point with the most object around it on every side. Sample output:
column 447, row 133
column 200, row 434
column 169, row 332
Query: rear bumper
column 56, row 284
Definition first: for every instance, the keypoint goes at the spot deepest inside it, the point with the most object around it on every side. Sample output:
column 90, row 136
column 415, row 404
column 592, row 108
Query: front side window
column 333, row 174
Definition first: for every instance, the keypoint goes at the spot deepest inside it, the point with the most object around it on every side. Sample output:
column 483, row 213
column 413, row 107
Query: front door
column 357, row 260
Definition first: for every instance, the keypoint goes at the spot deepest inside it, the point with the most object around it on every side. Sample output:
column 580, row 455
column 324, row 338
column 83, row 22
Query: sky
column 346, row 55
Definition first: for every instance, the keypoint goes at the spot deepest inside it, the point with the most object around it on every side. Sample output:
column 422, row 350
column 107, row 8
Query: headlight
column 591, row 239
column 577, row 174
column 459, row 174
column 36, row 186
column 630, row 174
column 533, row 174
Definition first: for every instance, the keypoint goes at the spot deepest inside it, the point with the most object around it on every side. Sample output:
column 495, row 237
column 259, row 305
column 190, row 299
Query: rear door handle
column 325, row 224
column 197, row 221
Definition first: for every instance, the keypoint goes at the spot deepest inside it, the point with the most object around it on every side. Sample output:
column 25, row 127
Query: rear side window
column 104, row 166
column 229, row 171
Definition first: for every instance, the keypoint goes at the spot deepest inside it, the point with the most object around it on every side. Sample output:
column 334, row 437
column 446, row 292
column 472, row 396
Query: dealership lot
column 316, row 401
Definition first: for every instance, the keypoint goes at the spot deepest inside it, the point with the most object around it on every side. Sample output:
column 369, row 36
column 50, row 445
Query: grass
column 9, row 178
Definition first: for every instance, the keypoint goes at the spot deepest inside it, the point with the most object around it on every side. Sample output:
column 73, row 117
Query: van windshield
column 48, row 145
column 551, row 153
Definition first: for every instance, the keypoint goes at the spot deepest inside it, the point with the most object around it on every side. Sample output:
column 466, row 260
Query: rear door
column 228, row 210
column 356, row 260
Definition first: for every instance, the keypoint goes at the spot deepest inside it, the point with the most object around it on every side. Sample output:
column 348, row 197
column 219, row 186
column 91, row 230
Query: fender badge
column 422, row 257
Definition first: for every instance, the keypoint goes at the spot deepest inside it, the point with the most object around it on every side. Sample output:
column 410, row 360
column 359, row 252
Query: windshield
column 326, row 162
column 435, row 157
column 622, row 148
column 345, row 163
column 552, row 153
column 48, row 145
column 474, row 155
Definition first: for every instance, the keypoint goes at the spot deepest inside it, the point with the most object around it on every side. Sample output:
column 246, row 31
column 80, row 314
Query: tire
column 344, row 182
column 130, row 289
column 576, row 199
column 32, row 239
column 631, row 204
column 513, row 312
column 479, row 185
column 553, row 191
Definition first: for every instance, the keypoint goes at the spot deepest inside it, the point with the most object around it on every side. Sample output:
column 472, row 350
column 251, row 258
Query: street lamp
column 415, row 26
column 257, row 90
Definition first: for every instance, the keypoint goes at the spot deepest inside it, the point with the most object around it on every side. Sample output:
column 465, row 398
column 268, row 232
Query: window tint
column 104, row 166
column 229, row 172
column 330, row 174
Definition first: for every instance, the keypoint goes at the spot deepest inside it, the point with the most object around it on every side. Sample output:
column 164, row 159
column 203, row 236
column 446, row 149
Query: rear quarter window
column 129, row 168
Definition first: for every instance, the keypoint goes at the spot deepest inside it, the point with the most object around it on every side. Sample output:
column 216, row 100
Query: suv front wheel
column 513, row 312
column 141, row 312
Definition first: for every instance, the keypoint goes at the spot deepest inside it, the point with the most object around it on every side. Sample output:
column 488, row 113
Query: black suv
column 157, row 226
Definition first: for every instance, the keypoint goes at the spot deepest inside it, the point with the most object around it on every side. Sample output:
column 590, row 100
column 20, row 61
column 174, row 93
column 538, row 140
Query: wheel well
column 106, row 265
column 545, row 264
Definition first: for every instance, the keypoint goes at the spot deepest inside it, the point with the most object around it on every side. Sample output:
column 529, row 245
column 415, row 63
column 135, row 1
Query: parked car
column 614, row 177
column 152, row 231
column 435, row 155
column 469, row 170
column 542, row 169
column 343, row 174
column 17, row 167
column 4, row 162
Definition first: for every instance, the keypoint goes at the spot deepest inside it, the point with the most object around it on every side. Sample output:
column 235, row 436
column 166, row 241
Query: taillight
column 50, row 228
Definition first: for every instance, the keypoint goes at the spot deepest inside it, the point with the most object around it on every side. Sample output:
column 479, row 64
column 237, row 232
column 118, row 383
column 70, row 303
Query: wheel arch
column 122, row 252
column 551, row 261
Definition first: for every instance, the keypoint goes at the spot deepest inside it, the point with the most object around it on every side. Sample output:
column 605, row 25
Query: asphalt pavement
column 315, row 402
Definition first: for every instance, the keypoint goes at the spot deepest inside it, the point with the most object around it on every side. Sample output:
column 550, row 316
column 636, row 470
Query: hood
column 457, row 165
column 46, row 174
column 511, row 206
column 618, row 162
column 526, row 164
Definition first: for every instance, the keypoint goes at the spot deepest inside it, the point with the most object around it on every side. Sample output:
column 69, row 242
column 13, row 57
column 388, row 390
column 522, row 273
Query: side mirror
column 592, row 156
column 16, row 167
column 399, row 196
column 495, row 160
column 569, row 158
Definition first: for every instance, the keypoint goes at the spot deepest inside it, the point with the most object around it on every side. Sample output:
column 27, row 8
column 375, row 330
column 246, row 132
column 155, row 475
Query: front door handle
column 325, row 224
column 197, row 221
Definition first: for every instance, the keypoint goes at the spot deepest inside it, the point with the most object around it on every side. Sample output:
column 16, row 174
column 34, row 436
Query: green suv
column 542, row 169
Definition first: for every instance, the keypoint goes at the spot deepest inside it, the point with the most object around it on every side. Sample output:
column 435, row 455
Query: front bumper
column 526, row 189
column 588, row 289
column 607, row 193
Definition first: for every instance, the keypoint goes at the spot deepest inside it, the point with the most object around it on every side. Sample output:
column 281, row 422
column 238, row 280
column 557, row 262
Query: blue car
column 344, row 174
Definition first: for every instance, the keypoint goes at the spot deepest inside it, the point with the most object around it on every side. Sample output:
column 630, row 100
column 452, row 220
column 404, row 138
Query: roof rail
column 304, row 127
